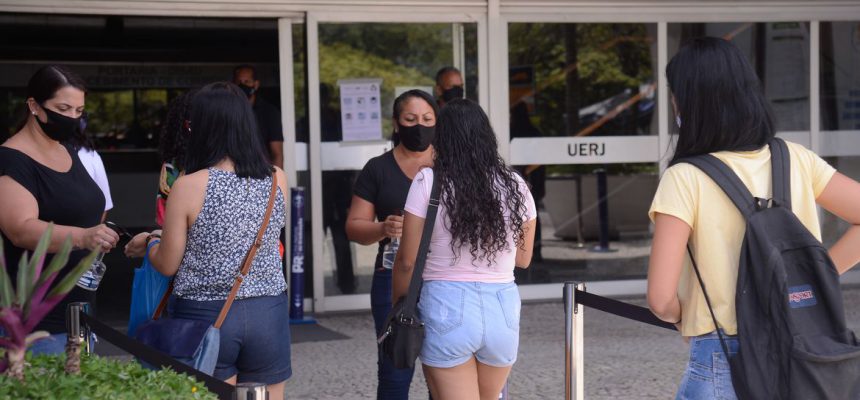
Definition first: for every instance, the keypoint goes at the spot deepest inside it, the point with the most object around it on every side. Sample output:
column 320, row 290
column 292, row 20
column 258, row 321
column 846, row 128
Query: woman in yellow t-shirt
column 720, row 109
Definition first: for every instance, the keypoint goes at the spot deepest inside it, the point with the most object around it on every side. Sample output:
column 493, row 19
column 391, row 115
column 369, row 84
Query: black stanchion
column 580, row 238
column 603, row 213
column 223, row 390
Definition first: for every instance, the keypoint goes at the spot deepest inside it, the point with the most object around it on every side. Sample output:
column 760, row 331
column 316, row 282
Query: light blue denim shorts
column 465, row 319
column 707, row 375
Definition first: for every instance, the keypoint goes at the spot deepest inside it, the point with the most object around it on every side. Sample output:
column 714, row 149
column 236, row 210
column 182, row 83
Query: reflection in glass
column 840, row 75
column 127, row 118
column 404, row 56
column 778, row 51
column 568, row 212
column 583, row 79
column 573, row 80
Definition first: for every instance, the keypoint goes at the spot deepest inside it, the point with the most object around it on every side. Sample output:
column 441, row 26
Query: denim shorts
column 707, row 375
column 255, row 336
column 465, row 319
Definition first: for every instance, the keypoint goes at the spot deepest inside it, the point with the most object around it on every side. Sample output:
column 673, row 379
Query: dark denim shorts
column 255, row 337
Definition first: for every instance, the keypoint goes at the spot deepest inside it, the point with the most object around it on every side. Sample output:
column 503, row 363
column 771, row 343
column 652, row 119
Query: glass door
column 357, row 66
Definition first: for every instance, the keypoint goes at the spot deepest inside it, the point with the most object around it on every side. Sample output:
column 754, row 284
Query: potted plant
column 23, row 306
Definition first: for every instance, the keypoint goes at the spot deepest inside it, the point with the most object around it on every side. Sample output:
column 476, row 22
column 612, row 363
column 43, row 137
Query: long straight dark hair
column 475, row 184
column 720, row 100
column 223, row 125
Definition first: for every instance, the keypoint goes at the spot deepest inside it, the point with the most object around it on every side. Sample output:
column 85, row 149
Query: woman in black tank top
column 42, row 181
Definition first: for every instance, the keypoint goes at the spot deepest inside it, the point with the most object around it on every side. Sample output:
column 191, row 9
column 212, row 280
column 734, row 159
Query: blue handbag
column 196, row 343
column 147, row 288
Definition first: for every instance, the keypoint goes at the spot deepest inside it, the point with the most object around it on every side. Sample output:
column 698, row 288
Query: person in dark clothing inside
column 337, row 194
column 271, row 133
column 534, row 175
column 449, row 85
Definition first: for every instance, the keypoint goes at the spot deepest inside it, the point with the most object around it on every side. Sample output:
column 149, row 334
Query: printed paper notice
column 360, row 110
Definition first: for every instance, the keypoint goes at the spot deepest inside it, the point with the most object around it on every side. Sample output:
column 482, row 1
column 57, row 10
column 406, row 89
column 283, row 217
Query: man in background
column 449, row 85
column 270, row 132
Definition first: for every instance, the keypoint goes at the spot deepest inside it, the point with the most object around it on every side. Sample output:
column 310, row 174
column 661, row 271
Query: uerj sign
column 585, row 150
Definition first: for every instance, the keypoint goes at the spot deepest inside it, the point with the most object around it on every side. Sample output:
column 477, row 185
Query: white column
column 497, row 54
column 814, row 87
column 663, row 102
column 314, row 160
column 288, row 102
column 458, row 47
column 288, row 122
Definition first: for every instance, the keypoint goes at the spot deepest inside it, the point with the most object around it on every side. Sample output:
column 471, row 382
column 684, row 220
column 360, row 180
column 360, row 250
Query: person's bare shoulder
column 189, row 187
column 282, row 178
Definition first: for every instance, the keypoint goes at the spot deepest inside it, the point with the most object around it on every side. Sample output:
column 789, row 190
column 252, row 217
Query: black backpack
column 794, row 343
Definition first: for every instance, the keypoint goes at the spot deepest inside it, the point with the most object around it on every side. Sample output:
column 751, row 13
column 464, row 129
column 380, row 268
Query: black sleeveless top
column 65, row 198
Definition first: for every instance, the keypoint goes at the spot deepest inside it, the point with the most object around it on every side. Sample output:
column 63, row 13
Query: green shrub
column 100, row 378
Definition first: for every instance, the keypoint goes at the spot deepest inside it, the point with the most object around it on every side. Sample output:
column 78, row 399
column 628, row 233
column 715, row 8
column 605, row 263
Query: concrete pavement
column 624, row 359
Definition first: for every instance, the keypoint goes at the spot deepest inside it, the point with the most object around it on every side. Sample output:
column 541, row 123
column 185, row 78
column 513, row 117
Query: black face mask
column 417, row 137
column 58, row 126
column 454, row 93
column 249, row 90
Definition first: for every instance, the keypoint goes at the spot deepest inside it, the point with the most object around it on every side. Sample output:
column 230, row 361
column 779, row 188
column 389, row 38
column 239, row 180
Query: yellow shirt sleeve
column 822, row 172
column 677, row 194
column 818, row 170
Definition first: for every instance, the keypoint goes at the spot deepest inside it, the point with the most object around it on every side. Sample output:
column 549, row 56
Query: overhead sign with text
column 139, row 75
column 585, row 150
column 360, row 110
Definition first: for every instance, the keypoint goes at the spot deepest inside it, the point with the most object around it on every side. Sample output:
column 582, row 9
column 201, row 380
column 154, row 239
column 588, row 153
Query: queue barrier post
column 76, row 332
column 251, row 391
column 574, row 384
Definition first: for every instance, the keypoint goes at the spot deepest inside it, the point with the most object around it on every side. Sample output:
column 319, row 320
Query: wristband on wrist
column 152, row 236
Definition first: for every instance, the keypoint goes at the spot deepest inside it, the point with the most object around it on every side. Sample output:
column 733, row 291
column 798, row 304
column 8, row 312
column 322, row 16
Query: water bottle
column 90, row 280
column 389, row 253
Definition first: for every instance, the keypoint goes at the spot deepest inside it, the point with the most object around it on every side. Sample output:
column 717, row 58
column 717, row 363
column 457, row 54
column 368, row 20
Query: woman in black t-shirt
column 42, row 180
column 375, row 213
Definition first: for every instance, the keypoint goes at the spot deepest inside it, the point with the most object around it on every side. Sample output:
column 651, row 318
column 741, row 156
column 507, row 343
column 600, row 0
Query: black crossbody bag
column 403, row 335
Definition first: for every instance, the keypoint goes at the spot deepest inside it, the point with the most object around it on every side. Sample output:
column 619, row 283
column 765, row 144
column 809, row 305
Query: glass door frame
column 323, row 302
column 655, row 12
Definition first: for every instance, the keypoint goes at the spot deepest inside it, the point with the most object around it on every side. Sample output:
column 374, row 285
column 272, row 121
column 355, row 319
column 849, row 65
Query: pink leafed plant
column 25, row 305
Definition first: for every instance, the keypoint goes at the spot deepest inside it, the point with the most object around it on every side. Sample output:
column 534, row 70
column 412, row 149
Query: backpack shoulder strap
column 780, row 162
column 727, row 180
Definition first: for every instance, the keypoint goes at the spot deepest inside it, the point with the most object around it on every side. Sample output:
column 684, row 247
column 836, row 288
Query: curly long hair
column 475, row 184
column 175, row 132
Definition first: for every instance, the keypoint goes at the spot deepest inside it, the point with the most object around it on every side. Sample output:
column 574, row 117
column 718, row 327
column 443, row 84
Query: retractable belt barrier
column 620, row 309
column 223, row 390
column 575, row 296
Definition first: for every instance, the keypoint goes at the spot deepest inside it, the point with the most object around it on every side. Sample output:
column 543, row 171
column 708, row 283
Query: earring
column 34, row 113
column 678, row 121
